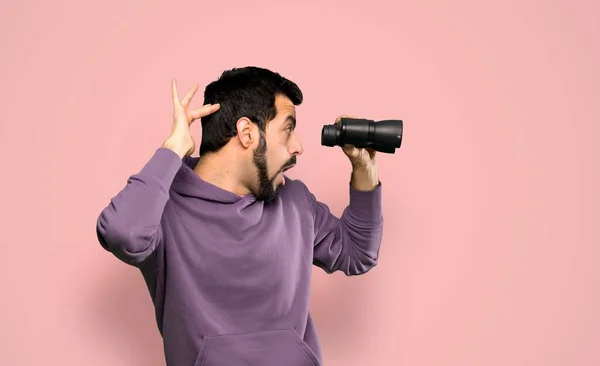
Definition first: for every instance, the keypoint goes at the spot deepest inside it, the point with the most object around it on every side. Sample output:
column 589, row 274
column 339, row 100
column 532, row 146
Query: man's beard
column 266, row 185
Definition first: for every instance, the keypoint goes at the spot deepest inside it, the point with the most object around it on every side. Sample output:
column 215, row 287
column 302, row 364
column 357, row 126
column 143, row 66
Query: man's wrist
column 364, row 177
column 176, row 148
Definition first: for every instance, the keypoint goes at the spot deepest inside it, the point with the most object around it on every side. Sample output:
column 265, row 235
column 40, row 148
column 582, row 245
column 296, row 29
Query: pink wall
column 491, row 242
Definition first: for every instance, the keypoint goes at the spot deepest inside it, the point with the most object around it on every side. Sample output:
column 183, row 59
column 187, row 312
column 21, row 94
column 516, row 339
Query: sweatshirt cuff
column 366, row 206
column 163, row 166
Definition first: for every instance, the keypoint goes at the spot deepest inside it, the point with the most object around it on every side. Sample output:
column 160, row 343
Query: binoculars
column 384, row 136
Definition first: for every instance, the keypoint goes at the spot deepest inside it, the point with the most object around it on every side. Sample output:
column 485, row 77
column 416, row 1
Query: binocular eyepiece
column 384, row 136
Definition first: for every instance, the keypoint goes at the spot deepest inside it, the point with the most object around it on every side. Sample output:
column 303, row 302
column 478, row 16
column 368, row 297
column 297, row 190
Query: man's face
column 277, row 149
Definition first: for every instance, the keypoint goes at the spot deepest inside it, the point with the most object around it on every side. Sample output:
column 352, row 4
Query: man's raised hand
column 181, row 140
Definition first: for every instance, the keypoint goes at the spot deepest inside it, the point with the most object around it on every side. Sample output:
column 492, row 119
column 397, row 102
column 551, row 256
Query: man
column 226, row 242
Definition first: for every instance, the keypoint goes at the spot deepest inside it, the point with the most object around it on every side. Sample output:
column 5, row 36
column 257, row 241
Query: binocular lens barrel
column 384, row 136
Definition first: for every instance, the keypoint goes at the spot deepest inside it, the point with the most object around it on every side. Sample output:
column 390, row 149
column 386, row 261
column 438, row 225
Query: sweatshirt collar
column 188, row 183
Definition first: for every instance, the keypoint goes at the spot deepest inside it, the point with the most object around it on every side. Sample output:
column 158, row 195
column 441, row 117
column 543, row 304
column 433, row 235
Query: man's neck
column 221, row 169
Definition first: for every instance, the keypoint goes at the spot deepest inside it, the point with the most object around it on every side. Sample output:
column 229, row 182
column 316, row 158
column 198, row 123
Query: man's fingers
column 189, row 95
column 339, row 119
column 350, row 150
column 174, row 92
column 205, row 110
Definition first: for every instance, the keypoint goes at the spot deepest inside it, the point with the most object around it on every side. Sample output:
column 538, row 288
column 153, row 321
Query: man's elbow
column 361, row 261
column 366, row 253
column 128, row 246
column 362, row 266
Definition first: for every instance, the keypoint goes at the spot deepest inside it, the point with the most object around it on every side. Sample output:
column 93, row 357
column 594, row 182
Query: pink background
column 491, row 241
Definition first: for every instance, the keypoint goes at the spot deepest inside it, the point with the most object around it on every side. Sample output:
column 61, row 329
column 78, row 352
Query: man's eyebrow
column 292, row 119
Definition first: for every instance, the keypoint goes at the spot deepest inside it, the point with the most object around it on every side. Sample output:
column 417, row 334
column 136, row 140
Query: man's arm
column 351, row 243
column 129, row 226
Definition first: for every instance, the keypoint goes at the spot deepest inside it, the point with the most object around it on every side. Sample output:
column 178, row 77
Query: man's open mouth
column 288, row 168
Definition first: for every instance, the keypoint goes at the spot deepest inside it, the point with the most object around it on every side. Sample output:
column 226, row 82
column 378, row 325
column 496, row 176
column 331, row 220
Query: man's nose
column 297, row 148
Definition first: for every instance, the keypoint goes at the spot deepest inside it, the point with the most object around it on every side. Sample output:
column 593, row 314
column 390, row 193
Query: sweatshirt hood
column 188, row 183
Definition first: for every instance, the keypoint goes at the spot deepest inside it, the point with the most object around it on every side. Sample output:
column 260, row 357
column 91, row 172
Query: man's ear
column 245, row 131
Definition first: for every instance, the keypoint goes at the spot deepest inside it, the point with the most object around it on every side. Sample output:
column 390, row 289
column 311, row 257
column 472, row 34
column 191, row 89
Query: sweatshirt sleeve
column 350, row 243
column 129, row 226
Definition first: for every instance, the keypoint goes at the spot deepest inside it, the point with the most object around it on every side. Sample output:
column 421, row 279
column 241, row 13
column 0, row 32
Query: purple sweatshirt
column 230, row 276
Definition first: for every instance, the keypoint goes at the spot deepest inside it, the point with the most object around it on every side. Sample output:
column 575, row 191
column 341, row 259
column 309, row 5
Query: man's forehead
column 285, row 105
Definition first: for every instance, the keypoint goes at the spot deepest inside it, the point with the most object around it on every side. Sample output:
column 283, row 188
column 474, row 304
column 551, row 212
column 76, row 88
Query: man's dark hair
column 243, row 92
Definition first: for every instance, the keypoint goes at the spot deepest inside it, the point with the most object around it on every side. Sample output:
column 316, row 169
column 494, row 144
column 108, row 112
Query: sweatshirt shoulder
column 295, row 189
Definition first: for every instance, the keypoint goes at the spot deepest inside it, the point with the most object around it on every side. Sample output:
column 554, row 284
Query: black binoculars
column 384, row 136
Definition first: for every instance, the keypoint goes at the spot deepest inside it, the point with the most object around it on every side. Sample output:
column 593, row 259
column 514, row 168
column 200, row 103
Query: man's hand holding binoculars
column 364, row 169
